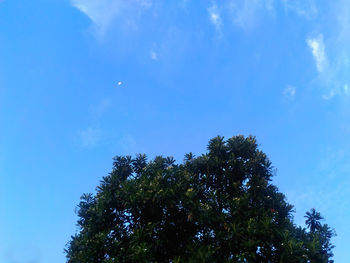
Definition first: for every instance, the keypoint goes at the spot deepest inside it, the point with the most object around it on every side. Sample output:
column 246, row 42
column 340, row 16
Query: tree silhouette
column 313, row 219
column 217, row 207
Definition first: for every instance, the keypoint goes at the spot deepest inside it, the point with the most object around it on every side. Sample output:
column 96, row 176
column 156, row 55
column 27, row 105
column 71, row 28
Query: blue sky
column 189, row 70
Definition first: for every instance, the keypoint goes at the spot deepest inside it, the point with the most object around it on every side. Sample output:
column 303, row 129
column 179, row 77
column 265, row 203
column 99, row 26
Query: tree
column 217, row 207
column 319, row 237
column 313, row 219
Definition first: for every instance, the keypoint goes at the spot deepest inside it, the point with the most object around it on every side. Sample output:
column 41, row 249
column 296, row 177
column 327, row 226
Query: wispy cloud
column 322, row 198
column 214, row 16
column 101, row 12
column 339, row 66
column 153, row 55
column 245, row 13
column 101, row 107
column 90, row 137
column 330, row 94
column 343, row 91
column 104, row 12
column 317, row 47
column 329, row 186
column 289, row 92
column 332, row 60
column 305, row 8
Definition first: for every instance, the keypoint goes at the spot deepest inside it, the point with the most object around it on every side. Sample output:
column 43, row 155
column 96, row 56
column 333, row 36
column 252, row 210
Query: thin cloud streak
column 215, row 17
column 304, row 8
column 289, row 92
column 104, row 12
column 245, row 13
column 154, row 55
column 90, row 137
column 317, row 47
column 100, row 12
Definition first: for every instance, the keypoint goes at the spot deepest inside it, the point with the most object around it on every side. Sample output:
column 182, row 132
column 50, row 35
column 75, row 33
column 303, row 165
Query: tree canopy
column 217, row 207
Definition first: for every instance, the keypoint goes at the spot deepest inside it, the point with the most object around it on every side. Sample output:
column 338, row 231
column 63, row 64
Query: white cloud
column 103, row 12
column 339, row 67
column 289, row 92
column 245, row 12
column 214, row 15
column 183, row 3
column 100, row 108
column 270, row 5
column 333, row 66
column 154, row 55
column 90, row 137
column 330, row 94
column 305, row 8
column 330, row 185
column 317, row 47
column 344, row 91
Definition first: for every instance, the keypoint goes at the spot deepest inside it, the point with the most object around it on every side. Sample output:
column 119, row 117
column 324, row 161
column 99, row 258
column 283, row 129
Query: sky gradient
column 84, row 80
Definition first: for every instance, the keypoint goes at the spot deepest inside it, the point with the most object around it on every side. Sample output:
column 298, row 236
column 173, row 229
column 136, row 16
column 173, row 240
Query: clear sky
column 189, row 70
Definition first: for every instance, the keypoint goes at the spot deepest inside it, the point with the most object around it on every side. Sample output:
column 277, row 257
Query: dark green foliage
column 218, row 207
column 313, row 219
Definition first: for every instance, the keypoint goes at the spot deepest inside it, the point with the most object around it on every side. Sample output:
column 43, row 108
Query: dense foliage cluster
column 218, row 207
